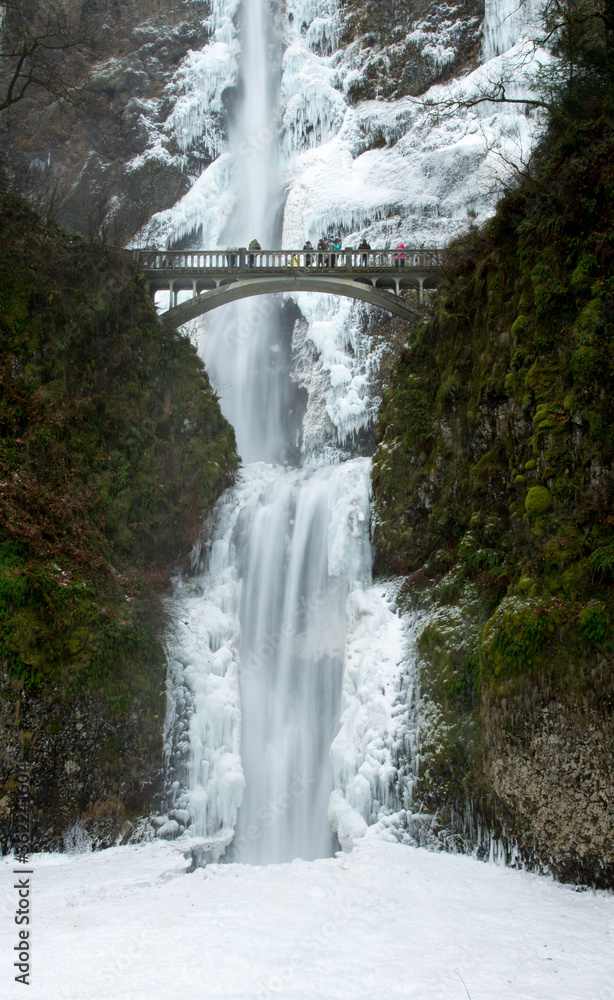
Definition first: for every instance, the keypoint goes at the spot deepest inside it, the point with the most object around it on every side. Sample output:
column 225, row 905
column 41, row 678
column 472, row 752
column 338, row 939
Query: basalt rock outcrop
column 404, row 46
column 87, row 156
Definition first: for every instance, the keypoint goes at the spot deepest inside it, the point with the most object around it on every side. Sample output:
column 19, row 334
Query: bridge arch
column 211, row 299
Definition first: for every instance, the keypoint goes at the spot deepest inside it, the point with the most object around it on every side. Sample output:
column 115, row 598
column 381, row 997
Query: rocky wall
column 404, row 46
column 493, row 490
column 92, row 774
column 104, row 162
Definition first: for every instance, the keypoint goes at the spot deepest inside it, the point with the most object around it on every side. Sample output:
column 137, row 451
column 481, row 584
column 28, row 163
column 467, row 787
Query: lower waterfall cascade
column 257, row 683
column 292, row 697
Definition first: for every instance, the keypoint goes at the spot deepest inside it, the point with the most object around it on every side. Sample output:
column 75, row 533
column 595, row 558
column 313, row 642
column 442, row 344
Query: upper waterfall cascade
column 290, row 690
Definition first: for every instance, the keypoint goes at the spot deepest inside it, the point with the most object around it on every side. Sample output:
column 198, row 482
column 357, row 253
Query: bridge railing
column 197, row 260
column 289, row 261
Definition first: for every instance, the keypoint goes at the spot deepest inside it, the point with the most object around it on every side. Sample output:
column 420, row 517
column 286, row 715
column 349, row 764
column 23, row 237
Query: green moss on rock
column 538, row 500
column 496, row 448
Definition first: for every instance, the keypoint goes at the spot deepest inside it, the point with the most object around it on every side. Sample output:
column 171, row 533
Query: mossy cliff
column 112, row 450
column 493, row 486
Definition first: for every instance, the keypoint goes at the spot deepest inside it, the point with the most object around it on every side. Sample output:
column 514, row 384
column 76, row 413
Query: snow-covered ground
column 385, row 922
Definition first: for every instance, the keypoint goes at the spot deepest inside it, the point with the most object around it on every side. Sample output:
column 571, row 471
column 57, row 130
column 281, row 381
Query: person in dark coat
column 364, row 246
column 322, row 258
column 254, row 245
column 307, row 246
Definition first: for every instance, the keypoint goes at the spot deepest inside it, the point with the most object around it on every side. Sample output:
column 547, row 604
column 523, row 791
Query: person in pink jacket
column 399, row 258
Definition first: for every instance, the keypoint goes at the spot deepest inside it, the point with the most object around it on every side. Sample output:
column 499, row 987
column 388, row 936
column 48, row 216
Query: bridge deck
column 282, row 260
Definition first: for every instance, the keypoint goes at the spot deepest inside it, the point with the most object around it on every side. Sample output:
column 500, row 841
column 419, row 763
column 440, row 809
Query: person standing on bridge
column 322, row 258
column 307, row 246
column 365, row 257
column 399, row 258
column 333, row 256
column 254, row 246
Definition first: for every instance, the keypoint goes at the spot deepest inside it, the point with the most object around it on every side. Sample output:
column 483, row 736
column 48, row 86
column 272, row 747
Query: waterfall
column 256, row 667
column 292, row 617
column 239, row 344
column 253, row 131
column 291, row 685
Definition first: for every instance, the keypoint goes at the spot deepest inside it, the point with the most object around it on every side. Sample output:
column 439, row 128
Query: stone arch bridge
column 216, row 277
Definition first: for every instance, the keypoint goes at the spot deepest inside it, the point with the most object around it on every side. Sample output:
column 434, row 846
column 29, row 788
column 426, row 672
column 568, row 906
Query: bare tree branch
column 34, row 35
column 579, row 33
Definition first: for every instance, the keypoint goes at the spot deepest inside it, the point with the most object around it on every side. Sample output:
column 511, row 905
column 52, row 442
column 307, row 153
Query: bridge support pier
column 180, row 286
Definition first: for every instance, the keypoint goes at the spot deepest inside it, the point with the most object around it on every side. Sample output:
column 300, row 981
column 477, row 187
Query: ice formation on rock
column 506, row 22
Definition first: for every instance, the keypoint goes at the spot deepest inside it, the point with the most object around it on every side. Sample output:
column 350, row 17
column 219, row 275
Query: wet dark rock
column 130, row 60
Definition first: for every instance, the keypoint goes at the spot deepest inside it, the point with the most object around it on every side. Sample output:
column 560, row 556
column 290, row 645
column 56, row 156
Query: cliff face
column 112, row 451
column 155, row 85
column 493, row 476
column 404, row 46
column 494, row 486
column 111, row 158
